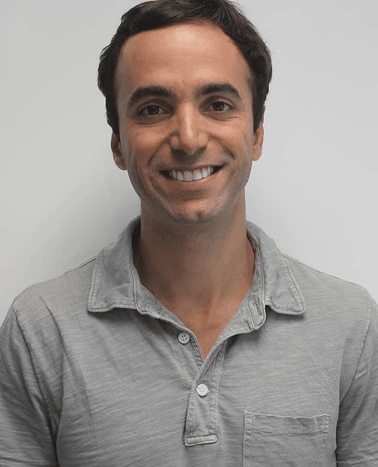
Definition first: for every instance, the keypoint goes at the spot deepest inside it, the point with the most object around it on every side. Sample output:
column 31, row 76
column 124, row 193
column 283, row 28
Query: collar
column 116, row 284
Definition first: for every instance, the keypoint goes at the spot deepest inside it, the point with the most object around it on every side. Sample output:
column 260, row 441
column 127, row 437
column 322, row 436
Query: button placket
column 184, row 337
column 202, row 414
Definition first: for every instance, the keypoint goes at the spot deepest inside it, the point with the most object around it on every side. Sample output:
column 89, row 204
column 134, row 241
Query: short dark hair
column 162, row 13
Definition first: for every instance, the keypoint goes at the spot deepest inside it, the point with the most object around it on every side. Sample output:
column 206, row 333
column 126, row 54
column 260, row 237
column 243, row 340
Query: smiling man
column 192, row 341
column 186, row 138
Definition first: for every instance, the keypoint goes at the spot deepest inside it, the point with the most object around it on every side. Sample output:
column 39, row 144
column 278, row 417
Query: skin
column 184, row 102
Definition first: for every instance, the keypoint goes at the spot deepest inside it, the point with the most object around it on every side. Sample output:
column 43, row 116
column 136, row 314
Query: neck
column 193, row 269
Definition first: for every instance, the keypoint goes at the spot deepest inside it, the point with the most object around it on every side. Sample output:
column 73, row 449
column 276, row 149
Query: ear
column 117, row 152
column 258, row 140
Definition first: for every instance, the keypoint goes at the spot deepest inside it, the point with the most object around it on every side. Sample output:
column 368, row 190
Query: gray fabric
column 112, row 380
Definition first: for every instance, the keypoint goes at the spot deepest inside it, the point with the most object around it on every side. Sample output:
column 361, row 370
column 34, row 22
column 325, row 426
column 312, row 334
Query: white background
column 314, row 191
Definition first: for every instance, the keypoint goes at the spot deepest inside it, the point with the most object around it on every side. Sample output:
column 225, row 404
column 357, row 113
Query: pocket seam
column 315, row 427
column 287, row 430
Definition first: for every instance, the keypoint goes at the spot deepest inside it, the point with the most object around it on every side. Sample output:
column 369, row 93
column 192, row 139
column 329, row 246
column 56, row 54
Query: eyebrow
column 149, row 91
column 163, row 91
column 217, row 88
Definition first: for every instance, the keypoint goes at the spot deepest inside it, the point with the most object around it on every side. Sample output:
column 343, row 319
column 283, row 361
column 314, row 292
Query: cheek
column 142, row 144
column 239, row 141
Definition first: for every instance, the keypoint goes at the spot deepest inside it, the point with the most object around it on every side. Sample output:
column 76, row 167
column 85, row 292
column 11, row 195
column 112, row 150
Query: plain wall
column 314, row 191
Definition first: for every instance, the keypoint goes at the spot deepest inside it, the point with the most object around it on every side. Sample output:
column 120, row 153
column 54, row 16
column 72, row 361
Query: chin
column 193, row 212
column 198, row 216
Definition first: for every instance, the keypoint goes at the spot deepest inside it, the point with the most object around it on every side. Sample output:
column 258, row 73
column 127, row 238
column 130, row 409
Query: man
column 192, row 341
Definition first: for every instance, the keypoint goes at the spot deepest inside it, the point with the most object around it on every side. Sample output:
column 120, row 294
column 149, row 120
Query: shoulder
column 63, row 295
column 335, row 301
column 42, row 317
column 315, row 283
column 343, row 318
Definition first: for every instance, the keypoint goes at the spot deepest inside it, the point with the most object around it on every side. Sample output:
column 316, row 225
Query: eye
column 152, row 110
column 220, row 106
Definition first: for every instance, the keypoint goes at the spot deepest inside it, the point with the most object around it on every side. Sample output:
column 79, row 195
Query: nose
column 189, row 136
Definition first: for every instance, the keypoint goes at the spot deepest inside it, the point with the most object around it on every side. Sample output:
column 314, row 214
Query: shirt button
column 202, row 390
column 183, row 338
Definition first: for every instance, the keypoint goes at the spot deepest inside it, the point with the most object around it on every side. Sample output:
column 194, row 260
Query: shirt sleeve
column 357, row 431
column 25, row 431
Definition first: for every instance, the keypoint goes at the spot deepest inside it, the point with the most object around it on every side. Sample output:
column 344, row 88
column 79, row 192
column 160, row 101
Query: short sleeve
column 25, row 432
column 357, row 432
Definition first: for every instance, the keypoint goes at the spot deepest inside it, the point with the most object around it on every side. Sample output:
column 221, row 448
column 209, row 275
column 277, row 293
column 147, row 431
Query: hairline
column 250, row 78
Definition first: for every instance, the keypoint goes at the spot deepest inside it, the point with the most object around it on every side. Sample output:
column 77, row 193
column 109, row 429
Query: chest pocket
column 276, row 441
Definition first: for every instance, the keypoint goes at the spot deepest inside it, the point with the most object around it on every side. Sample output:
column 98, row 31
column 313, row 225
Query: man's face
column 186, row 122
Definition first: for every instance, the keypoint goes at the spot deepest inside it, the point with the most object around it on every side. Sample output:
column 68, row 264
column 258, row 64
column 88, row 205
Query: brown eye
column 220, row 106
column 151, row 111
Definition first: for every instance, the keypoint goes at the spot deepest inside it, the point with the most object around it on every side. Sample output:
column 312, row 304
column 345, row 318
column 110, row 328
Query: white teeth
column 188, row 176
column 197, row 175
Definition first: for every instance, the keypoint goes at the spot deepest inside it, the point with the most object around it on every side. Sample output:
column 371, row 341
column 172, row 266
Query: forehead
column 181, row 56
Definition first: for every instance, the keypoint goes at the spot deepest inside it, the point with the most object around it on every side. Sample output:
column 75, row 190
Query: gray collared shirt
column 94, row 371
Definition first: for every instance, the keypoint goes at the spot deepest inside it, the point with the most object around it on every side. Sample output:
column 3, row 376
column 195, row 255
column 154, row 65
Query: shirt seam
column 368, row 323
column 36, row 369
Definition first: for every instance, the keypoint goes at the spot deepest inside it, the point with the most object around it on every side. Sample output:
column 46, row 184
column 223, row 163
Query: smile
column 190, row 176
